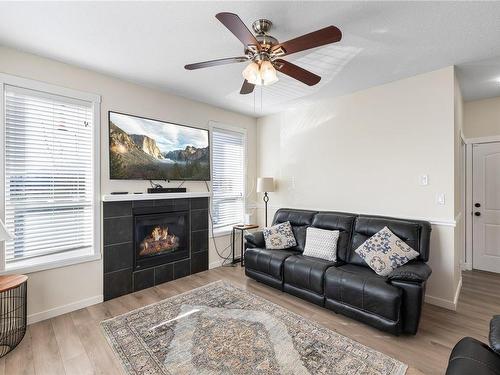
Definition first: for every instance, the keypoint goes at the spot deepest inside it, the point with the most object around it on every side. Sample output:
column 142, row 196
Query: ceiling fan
column 265, row 53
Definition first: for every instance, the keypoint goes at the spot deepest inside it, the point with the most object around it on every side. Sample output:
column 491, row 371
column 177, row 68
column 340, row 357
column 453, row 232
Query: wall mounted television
column 146, row 149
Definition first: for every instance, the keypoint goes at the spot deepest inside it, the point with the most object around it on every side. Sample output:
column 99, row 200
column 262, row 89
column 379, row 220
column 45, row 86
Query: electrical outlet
column 440, row 199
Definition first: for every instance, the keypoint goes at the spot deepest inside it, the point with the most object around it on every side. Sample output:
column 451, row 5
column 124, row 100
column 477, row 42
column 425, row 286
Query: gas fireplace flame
column 158, row 241
column 160, row 233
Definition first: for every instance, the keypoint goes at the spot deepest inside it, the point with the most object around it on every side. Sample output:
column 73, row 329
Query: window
column 228, row 176
column 51, row 178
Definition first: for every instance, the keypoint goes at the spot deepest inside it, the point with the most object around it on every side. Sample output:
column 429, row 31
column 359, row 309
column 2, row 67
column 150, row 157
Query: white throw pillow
column 321, row 243
column 384, row 252
column 279, row 237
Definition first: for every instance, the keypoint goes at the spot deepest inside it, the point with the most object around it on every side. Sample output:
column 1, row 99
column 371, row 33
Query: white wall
column 482, row 118
column 364, row 153
column 69, row 286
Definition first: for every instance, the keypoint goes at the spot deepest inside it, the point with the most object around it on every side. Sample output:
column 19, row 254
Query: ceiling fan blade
column 247, row 87
column 238, row 28
column 318, row 38
column 296, row 72
column 208, row 64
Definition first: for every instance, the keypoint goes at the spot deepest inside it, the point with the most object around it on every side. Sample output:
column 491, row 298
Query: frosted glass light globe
column 251, row 73
column 268, row 73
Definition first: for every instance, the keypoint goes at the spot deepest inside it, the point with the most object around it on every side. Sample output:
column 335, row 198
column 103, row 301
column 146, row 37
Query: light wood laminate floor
column 73, row 343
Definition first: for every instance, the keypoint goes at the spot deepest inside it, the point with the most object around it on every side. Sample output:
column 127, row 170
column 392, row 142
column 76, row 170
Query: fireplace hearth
column 152, row 241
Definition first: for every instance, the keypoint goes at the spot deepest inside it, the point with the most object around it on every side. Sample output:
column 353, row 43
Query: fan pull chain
column 254, row 102
column 261, row 100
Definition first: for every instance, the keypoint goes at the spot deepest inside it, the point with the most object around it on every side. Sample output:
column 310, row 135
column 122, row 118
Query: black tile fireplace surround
column 125, row 270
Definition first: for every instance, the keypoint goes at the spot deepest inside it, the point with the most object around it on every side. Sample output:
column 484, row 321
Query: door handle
column 477, row 213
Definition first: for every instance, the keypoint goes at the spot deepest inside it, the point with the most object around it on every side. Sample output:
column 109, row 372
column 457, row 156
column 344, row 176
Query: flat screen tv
column 146, row 149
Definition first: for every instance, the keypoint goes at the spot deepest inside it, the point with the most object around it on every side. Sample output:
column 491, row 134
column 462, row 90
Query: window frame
column 224, row 231
column 60, row 259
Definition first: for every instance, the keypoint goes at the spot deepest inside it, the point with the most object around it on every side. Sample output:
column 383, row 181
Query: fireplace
column 148, row 242
column 160, row 238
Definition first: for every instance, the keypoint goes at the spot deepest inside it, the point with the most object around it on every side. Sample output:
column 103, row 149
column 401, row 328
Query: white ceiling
column 149, row 43
column 480, row 79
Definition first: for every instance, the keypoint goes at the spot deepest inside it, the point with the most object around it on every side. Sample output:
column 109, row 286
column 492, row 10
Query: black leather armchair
column 347, row 286
column 470, row 356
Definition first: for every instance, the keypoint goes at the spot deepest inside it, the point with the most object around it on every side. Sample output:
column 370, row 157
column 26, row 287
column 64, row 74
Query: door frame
column 466, row 263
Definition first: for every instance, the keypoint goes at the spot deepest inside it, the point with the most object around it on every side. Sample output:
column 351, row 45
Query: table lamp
column 265, row 185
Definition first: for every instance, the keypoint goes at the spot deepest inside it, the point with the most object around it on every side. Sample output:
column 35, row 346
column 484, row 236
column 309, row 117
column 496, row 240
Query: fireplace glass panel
column 160, row 238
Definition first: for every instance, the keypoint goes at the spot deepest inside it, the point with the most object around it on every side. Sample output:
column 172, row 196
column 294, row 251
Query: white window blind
column 228, row 177
column 49, row 187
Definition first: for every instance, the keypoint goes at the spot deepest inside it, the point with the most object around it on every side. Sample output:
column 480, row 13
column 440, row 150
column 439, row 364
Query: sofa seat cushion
column 269, row 262
column 306, row 272
column 361, row 288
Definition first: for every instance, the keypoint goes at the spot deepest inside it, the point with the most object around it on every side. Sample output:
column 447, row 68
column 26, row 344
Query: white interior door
column 486, row 207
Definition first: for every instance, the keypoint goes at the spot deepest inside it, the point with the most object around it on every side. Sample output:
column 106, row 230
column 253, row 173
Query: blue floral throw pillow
column 384, row 252
column 279, row 237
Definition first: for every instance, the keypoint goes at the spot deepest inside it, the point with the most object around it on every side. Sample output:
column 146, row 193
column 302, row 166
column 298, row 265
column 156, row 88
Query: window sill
column 50, row 262
column 222, row 232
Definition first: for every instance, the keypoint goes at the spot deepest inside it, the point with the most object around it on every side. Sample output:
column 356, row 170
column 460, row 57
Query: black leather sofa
column 348, row 286
column 471, row 356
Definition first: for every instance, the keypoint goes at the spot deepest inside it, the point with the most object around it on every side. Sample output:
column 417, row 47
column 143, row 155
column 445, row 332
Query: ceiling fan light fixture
column 251, row 73
column 268, row 73
column 265, row 52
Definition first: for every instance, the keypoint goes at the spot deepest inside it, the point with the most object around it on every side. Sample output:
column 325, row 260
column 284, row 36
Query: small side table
column 241, row 228
column 13, row 290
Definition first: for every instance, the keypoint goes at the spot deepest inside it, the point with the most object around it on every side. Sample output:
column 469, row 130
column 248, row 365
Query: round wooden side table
column 13, row 290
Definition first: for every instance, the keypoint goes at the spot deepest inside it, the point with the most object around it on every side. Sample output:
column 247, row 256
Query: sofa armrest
column 495, row 334
column 255, row 240
column 413, row 271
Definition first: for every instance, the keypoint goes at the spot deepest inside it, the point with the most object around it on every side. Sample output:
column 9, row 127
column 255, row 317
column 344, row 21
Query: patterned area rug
column 222, row 329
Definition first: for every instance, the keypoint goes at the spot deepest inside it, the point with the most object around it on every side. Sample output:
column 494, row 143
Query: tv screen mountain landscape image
column 144, row 149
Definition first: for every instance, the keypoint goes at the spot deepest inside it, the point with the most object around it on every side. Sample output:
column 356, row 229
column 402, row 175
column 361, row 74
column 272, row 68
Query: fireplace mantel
column 148, row 196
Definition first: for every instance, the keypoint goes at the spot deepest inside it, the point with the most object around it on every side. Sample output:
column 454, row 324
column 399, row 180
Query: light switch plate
column 440, row 199
column 424, row 180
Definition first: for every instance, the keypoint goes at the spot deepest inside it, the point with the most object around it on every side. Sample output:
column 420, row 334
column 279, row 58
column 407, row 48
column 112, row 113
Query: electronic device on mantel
column 166, row 190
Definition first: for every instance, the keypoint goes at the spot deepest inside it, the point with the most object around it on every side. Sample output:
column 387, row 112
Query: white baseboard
column 466, row 266
column 445, row 303
column 59, row 310
column 441, row 302
column 457, row 292
column 215, row 264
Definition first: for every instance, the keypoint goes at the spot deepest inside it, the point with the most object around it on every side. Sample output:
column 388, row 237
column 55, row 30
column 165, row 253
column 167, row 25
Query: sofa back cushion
column 415, row 233
column 300, row 220
column 341, row 221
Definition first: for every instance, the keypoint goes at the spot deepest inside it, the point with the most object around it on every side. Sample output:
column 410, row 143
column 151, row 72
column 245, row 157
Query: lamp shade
column 4, row 235
column 265, row 185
